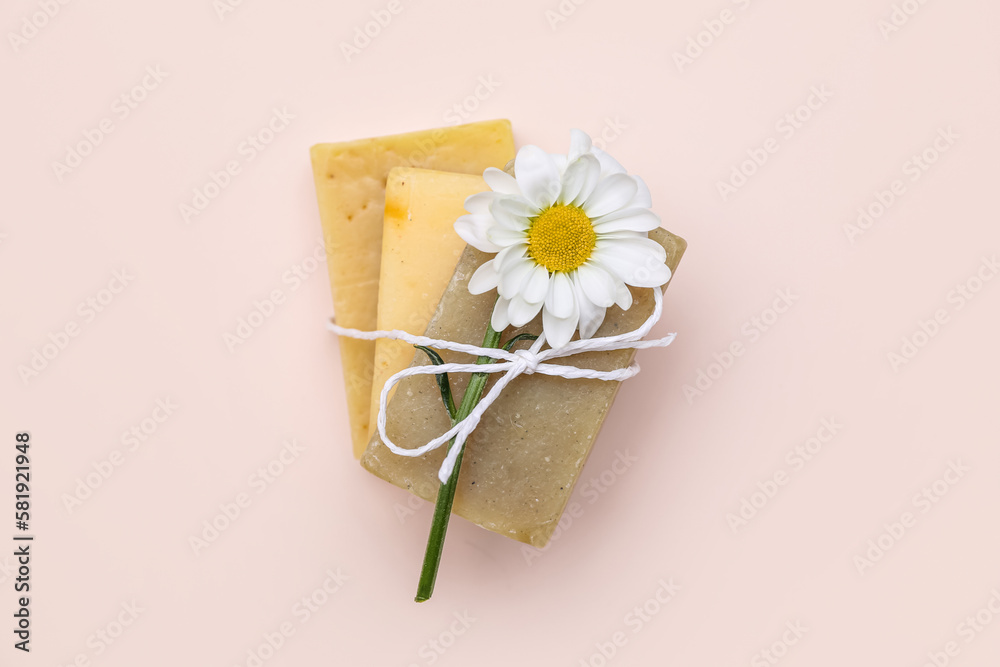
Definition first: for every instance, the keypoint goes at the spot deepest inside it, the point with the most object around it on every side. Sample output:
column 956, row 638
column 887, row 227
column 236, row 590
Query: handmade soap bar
column 350, row 186
column 419, row 252
column 522, row 461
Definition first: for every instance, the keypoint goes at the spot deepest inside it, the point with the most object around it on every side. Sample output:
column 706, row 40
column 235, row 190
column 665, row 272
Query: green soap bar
column 523, row 460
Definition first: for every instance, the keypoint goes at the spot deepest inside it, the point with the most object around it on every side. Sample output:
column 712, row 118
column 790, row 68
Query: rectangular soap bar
column 523, row 460
column 350, row 187
column 419, row 252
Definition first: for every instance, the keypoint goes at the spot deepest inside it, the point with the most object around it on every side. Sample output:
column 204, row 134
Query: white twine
column 512, row 365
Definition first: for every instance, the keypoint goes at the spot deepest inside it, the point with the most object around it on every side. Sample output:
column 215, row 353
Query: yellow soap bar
column 350, row 187
column 420, row 250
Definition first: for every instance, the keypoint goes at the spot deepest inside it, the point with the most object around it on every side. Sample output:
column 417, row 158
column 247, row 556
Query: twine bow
column 511, row 364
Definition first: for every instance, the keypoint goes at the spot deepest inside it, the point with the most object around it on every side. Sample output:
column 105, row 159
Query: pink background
column 608, row 67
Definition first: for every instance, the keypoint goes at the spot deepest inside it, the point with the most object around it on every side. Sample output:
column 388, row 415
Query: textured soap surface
column 526, row 455
column 350, row 182
column 419, row 252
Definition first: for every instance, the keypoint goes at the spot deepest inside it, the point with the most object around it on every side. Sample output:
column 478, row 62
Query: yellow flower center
column 561, row 238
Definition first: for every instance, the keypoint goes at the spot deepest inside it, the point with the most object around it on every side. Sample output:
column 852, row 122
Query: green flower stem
column 446, row 492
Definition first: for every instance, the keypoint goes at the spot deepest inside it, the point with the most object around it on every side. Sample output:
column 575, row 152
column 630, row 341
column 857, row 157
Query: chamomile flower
column 569, row 233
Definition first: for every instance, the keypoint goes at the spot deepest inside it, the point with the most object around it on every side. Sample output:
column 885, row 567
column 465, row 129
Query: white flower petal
column 559, row 330
column 591, row 321
column 537, row 286
column 579, row 144
column 623, row 298
column 611, row 261
column 510, row 254
column 635, row 246
column 660, row 275
column 627, row 219
column 591, row 314
column 559, row 300
column 479, row 202
column 597, row 284
column 513, row 212
column 618, row 266
column 513, row 276
column 639, row 268
column 579, row 180
column 508, row 220
column 537, row 176
column 611, row 194
column 521, row 312
column 519, row 206
column 500, row 181
column 642, row 198
column 473, row 228
column 609, row 165
column 560, row 161
column 504, row 236
column 657, row 276
column 485, row 278
column 500, row 320
column 621, row 234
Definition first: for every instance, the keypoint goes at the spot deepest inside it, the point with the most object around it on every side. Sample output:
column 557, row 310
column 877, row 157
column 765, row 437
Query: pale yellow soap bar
column 419, row 252
column 350, row 187
column 523, row 460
